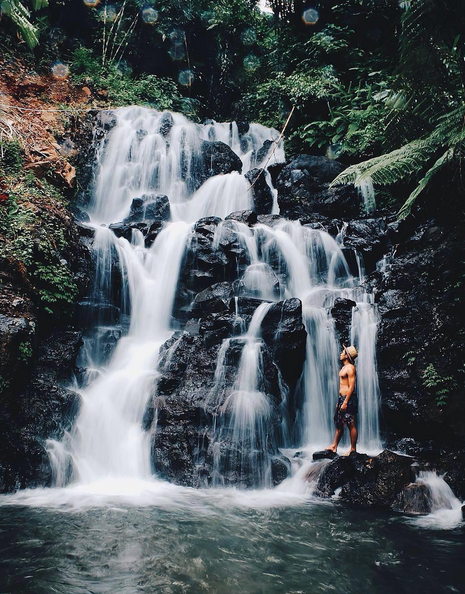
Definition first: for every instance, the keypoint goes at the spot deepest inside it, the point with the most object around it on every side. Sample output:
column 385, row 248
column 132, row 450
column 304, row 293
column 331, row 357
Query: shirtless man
column 347, row 405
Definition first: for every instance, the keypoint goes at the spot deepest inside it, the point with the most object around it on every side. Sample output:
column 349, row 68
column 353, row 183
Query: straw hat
column 351, row 353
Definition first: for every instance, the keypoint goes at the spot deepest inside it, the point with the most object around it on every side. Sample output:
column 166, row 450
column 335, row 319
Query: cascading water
column 243, row 415
column 149, row 153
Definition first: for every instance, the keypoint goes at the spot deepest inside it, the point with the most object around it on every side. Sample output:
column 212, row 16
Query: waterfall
column 446, row 509
column 148, row 153
column 243, row 416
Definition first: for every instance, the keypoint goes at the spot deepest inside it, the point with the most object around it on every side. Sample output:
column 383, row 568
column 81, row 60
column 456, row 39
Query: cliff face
column 415, row 269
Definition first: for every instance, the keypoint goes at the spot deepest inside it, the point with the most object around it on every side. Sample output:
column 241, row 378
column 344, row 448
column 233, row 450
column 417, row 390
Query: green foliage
column 410, row 358
column 25, row 351
column 4, row 384
column 432, row 49
column 11, row 156
column 35, row 238
column 122, row 88
column 441, row 386
column 21, row 17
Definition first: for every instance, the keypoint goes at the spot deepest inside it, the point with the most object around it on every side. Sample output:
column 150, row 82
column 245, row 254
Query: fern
column 20, row 16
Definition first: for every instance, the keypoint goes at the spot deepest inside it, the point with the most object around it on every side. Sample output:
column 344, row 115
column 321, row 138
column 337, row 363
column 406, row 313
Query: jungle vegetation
column 377, row 84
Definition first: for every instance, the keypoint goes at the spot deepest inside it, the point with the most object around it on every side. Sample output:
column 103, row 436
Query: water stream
column 267, row 540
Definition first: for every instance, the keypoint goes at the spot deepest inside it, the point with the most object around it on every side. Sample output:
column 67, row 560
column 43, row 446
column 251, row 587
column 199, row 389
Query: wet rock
column 303, row 189
column 274, row 169
column 413, row 499
column 370, row 238
column 187, row 448
column 324, row 454
column 249, row 217
column 280, row 469
column 16, row 337
column 217, row 157
column 367, row 481
column 157, row 208
column 214, row 299
column 261, row 193
column 269, row 219
column 242, row 127
column 259, row 157
column 122, row 230
column 42, row 410
column 285, row 334
column 218, row 326
column 418, row 302
column 166, row 124
column 153, row 232
column 341, row 313
column 136, row 211
column 106, row 120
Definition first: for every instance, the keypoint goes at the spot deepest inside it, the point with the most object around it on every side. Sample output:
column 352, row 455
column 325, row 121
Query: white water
column 286, row 260
column 446, row 509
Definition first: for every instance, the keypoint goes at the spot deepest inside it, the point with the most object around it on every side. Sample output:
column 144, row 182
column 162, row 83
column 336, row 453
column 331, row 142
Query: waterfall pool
column 156, row 537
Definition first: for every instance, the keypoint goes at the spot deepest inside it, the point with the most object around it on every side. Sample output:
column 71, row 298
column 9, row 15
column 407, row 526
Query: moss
column 11, row 157
column 35, row 234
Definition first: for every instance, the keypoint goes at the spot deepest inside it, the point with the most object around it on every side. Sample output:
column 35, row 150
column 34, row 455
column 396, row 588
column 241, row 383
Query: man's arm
column 351, row 381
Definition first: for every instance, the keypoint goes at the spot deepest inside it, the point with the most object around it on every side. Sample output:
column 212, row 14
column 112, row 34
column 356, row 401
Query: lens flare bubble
column 186, row 78
column 108, row 13
column 251, row 63
column 334, row 150
column 60, row 71
column 91, row 3
column 177, row 52
column 208, row 16
column 248, row 37
column 149, row 15
column 124, row 67
column 177, row 36
column 310, row 16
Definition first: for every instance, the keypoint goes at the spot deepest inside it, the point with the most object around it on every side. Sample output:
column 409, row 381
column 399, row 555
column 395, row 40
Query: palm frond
column 390, row 168
column 38, row 4
column 408, row 204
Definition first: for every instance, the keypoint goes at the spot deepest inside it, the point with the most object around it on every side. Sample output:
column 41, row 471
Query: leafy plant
column 21, row 17
column 441, row 386
column 433, row 49
column 25, row 351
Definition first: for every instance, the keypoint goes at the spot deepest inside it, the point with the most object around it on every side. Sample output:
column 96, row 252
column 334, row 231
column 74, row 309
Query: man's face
column 343, row 356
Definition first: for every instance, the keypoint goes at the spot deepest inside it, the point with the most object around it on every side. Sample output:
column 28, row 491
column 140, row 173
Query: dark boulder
column 269, row 219
column 157, row 208
column 258, row 157
column 149, row 207
column 43, row 410
column 153, row 232
column 214, row 299
column 122, row 230
column 370, row 238
column 367, row 481
column 304, row 188
column 324, row 455
column 249, row 217
column 192, row 442
column 217, row 157
column 284, row 332
column 261, row 193
column 413, row 499
column 166, row 124
column 341, row 313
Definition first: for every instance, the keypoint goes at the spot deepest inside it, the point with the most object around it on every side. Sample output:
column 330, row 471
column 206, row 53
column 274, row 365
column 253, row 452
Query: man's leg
column 337, row 439
column 353, row 437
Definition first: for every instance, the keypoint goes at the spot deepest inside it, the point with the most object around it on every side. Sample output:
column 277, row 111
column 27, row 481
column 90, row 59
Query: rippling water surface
column 161, row 538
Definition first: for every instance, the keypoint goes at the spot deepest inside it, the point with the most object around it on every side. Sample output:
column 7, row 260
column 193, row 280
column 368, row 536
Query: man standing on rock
column 347, row 405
